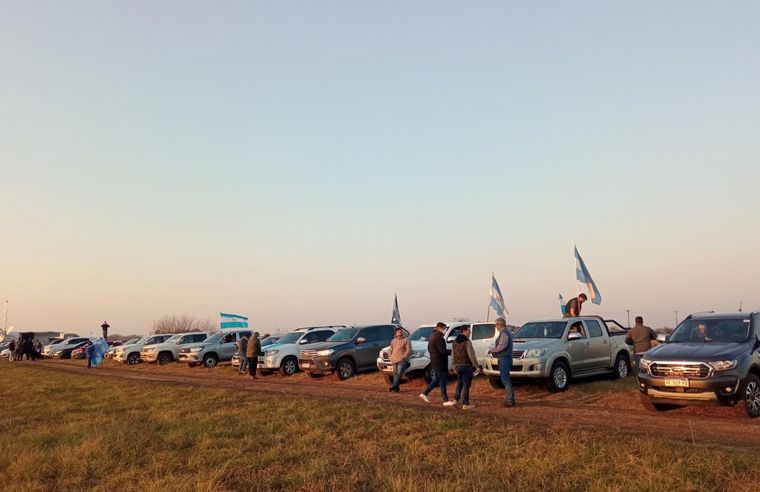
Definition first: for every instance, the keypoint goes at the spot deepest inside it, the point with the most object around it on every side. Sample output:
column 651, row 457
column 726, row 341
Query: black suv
column 709, row 358
column 348, row 351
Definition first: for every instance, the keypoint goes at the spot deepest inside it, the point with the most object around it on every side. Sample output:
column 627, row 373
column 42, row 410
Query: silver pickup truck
column 556, row 350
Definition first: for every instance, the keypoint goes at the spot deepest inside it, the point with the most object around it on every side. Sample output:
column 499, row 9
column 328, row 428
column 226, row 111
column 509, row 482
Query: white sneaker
column 449, row 403
column 424, row 398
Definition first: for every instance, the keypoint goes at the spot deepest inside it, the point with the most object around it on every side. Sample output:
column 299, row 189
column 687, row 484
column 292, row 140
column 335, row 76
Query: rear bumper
column 723, row 389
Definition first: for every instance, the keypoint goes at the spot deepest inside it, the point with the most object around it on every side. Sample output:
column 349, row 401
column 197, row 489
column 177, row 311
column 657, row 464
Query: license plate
column 305, row 364
column 680, row 383
column 387, row 369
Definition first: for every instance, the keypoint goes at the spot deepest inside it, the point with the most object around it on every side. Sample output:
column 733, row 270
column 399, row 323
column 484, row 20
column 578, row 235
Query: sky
column 301, row 162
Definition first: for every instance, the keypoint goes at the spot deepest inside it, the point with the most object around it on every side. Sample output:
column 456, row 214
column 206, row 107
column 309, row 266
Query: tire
column 133, row 359
column 652, row 406
column 750, row 403
column 427, row 374
column 559, row 377
column 495, row 382
column 622, row 367
column 164, row 358
column 210, row 361
column 388, row 379
column 289, row 366
column 345, row 368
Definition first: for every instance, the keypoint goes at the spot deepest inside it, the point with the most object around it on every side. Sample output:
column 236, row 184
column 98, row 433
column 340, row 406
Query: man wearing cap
column 503, row 352
column 574, row 306
column 439, row 360
column 252, row 352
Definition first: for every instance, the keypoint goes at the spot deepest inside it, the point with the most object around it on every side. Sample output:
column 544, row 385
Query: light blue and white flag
column 581, row 273
column 229, row 321
column 98, row 349
column 396, row 316
column 562, row 305
column 497, row 300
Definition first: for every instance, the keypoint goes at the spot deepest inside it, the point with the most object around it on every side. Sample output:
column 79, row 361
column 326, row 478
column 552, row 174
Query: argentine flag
column 497, row 300
column 581, row 273
column 562, row 306
column 233, row 321
column 396, row 316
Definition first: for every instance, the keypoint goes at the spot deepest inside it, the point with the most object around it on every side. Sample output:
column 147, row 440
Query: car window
column 577, row 327
column 594, row 328
column 386, row 332
column 371, row 334
column 323, row 335
column 756, row 323
column 484, row 331
column 242, row 334
column 310, row 337
column 199, row 338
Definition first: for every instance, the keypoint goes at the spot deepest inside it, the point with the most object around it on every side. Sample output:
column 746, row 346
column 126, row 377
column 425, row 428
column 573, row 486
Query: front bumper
column 316, row 364
column 416, row 364
column 189, row 357
column 720, row 389
column 521, row 368
column 148, row 356
column 269, row 362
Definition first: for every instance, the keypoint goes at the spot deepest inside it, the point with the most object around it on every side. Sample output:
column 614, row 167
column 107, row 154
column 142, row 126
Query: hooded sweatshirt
column 463, row 353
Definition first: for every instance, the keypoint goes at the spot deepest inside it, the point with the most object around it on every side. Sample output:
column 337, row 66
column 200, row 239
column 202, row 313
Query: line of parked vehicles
column 710, row 358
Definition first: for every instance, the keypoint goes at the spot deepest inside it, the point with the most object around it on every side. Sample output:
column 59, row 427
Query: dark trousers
column 439, row 379
column 464, row 381
column 505, row 366
column 89, row 362
column 399, row 368
column 253, row 362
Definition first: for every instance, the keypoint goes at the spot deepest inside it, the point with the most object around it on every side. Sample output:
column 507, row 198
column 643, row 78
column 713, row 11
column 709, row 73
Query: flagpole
column 577, row 282
column 488, row 309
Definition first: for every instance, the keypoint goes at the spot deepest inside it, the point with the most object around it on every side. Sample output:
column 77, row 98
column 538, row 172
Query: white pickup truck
column 556, row 350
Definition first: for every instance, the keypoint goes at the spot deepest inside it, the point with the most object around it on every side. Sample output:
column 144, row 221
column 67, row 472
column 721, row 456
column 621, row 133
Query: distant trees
column 180, row 324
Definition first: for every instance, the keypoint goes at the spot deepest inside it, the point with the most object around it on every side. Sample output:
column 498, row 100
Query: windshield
column 711, row 330
column 422, row 333
column 344, row 335
column 290, row 338
column 269, row 341
column 551, row 329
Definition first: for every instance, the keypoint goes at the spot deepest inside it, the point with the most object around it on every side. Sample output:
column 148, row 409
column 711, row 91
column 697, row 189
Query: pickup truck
column 709, row 359
column 556, row 350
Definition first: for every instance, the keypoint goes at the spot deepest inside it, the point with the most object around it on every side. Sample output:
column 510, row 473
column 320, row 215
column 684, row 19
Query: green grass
column 66, row 432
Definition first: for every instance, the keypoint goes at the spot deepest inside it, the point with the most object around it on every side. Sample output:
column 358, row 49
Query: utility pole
column 628, row 312
column 5, row 319
column 676, row 313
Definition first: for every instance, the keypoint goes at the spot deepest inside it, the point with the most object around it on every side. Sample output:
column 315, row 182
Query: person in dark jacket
column 574, row 306
column 465, row 366
column 641, row 337
column 252, row 354
column 439, row 360
column 243, row 352
column 12, row 350
column 89, row 351
column 502, row 351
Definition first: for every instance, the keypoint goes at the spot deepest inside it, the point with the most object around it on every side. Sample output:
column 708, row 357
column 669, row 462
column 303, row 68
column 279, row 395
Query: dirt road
column 616, row 412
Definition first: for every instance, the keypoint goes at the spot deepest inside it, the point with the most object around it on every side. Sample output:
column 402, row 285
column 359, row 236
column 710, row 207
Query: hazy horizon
column 300, row 163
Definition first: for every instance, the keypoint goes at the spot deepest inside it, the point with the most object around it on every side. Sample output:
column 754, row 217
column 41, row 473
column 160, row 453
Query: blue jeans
column 399, row 368
column 439, row 379
column 505, row 365
column 464, row 381
column 243, row 363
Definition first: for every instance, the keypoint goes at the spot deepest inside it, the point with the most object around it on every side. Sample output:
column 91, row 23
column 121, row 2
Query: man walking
column 243, row 352
column 465, row 364
column 439, row 360
column 401, row 349
column 574, row 306
column 503, row 352
column 253, row 350
column 641, row 337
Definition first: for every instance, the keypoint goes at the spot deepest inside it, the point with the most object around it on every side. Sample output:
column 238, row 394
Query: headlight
column 196, row 349
column 533, row 353
column 723, row 365
column 644, row 363
column 325, row 353
column 271, row 352
column 418, row 354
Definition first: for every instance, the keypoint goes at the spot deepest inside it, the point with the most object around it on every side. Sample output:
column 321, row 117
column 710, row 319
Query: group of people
column 465, row 363
column 29, row 348
column 249, row 352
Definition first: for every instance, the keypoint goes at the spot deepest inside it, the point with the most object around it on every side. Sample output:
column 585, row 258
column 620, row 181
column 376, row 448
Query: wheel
column 388, row 378
column 652, row 406
column 210, row 361
column 751, row 396
column 133, row 359
column 313, row 375
column 164, row 358
column 427, row 374
column 622, row 367
column 345, row 369
column 289, row 366
column 496, row 382
column 559, row 377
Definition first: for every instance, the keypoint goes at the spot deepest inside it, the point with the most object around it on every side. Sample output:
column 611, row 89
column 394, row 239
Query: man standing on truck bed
column 503, row 352
column 439, row 359
column 574, row 306
column 641, row 337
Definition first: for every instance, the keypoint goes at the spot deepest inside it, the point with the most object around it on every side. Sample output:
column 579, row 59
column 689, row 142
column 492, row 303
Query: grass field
column 66, row 432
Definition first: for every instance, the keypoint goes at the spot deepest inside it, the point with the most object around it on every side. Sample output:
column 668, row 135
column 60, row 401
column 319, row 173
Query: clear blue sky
column 301, row 162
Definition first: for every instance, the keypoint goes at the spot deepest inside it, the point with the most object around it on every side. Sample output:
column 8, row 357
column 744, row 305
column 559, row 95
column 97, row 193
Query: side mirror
column 574, row 336
column 360, row 340
column 302, row 341
column 450, row 339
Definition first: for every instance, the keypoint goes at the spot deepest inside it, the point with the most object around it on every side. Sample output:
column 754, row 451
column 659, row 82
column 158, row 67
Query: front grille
column 386, row 356
column 308, row 354
column 516, row 354
column 679, row 370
